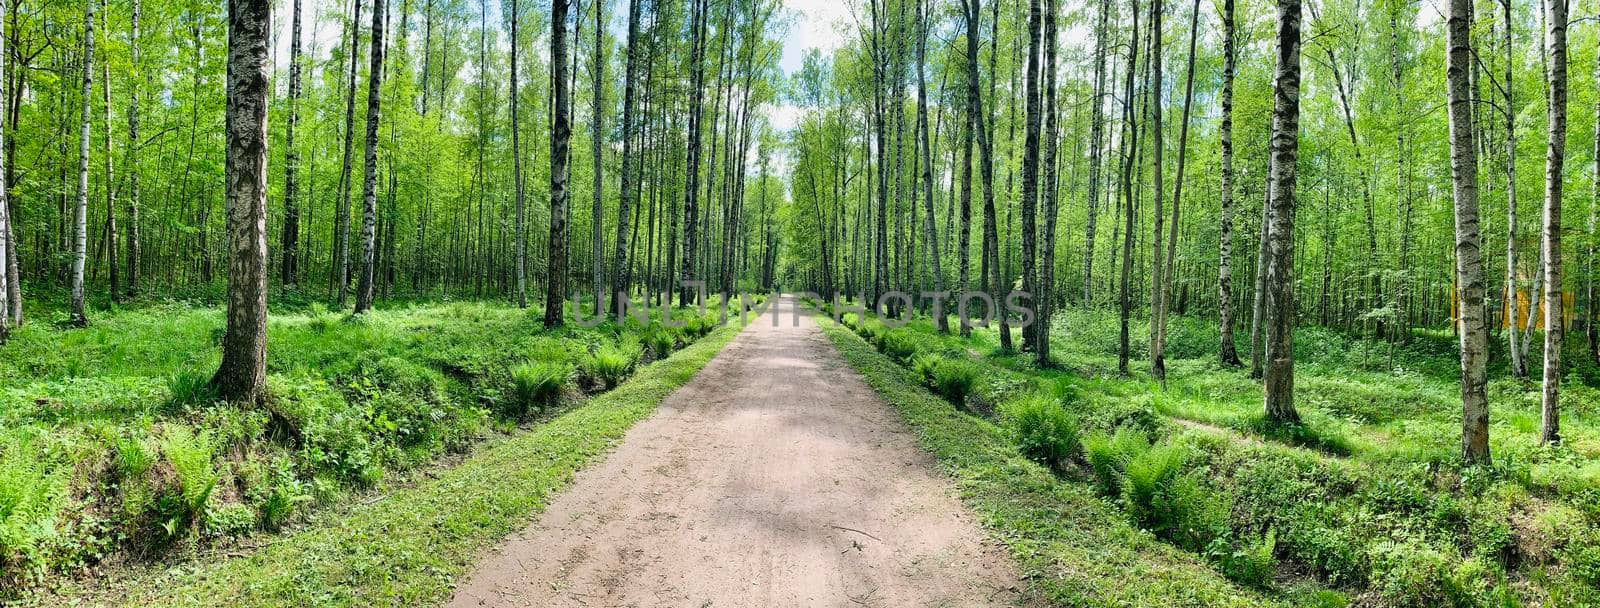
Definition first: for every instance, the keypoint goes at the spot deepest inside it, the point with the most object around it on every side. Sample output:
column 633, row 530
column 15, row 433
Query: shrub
column 133, row 459
column 1146, row 486
column 1410, row 573
column 954, row 379
column 31, row 493
column 190, row 455
column 610, row 364
column 1042, row 430
column 660, row 341
column 1108, row 456
column 1249, row 563
column 539, row 384
column 898, row 345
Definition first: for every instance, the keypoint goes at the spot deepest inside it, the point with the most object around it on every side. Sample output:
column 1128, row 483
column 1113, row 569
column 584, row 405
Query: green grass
column 1073, row 546
column 143, row 462
column 1366, row 496
column 409, row 547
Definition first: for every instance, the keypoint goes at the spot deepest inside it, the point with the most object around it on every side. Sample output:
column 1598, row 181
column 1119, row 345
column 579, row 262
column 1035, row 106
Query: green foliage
column 1250, row 562
column 610, row 364
column 1109, row 455
column 1042, row 429
column 31, row 495
column 191, row 456
column 540, row 384
column 190, row 388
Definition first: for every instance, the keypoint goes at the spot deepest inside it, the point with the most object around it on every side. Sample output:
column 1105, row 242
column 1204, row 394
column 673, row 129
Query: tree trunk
column 1096, row 135
column 1158, row 297
column 620, row 271
column 1046, row 299
column 517, row 187
column 290, row 239
column 1230, row 62
column 112, row 238
column 1177, row 194
column 80, row 231
column 340, row 279
column 691, row 192
column 1280, row 304
column 596, row 120
column 1555, row 156
column 242, row 376
column 942, row 320
column 991, row 234
column 5, row 197
column 560, row 135
column 1030, row 166
column 369, row 181
column 1514, row 335
column 1130, row 146
column 1469, row 263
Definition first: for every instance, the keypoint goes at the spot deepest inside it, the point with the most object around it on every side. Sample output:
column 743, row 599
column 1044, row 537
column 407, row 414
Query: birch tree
column 1473, row 335
column 242, row 376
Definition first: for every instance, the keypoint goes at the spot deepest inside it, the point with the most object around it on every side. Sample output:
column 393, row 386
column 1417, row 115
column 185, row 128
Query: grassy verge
column 113, row 450
column 409, row 548
column 1074, row 547
column 1365, row 497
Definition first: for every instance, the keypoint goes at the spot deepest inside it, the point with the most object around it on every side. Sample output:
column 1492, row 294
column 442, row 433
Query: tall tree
column 516, row 162
column 978, row 120
column 1046, row 300
column 369, row 181
column 1096, row 135
column 242, row 376
column 1473, row 333
column 620, row 269
column 1030, row 166
column 596, row 120
column 5, row 196
column 135, row 147
column 560, row 136
column 80, row 223
column 942, row 320
column 1514, row 338
column 1130, row 146
column 1550, row 244
column 340, row 277
column 1158, row 297
column 691, row 190
column 1280, row 305
column 1230, row 65
column 112, row 238
column 289, row 247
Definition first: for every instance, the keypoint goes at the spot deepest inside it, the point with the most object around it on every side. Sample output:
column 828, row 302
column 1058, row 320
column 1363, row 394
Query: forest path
column 776, row 477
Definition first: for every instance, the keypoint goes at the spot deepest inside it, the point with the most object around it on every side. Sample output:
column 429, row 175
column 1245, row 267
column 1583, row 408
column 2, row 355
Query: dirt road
column 776, row 477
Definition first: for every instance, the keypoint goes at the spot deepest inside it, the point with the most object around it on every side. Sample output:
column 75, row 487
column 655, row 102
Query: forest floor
column 775, row 477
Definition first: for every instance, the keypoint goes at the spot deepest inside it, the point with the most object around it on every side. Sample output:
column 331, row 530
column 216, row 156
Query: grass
column 1072, row 545
column 1365, row 499
column 129, row 457
column 408, row 548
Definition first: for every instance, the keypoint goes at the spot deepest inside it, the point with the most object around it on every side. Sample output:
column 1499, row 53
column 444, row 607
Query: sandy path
column 776, row 477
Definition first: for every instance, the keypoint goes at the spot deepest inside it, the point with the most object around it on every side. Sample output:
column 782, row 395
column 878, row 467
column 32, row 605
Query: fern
column 191, row 456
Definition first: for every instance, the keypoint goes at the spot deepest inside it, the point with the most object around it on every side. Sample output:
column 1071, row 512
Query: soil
column 776, row 477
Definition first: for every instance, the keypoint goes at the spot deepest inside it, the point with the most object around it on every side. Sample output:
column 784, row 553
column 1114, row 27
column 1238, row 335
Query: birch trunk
column 290, row 239
column 1469, row 262
column 80, row 223
column 369, row 180
column 1280, row 303
column 242, row 376
column 560, row 135
column 1555, row 156
column 1230, row 63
